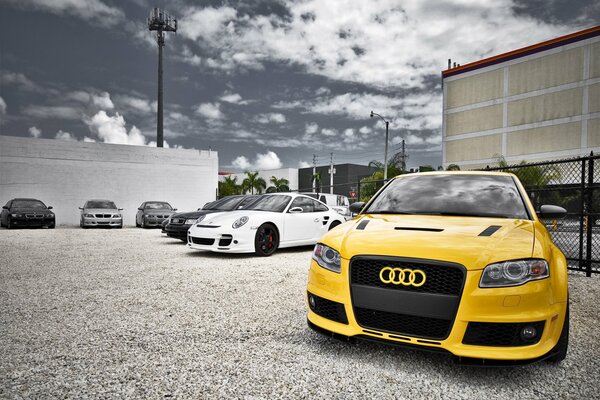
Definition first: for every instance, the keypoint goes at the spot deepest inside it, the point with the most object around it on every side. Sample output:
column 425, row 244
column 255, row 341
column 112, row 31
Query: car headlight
column 327, row 258
column 89, row 215
column 239, row 222
column 14, row 215
column 513, row 273
column 117, row 216
column 190, row 221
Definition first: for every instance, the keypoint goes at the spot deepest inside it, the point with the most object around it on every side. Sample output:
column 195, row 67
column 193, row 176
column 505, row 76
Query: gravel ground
column 97, row 313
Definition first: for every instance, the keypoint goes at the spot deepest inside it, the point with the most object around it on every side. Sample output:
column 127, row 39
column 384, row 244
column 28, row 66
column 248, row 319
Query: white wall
column 65, row 174
column 291, row 174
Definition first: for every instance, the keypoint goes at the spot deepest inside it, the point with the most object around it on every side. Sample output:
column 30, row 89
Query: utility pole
column 403, row 156
column 331, row 172
column 160, row 22
column 314, row 173
column 387, row 126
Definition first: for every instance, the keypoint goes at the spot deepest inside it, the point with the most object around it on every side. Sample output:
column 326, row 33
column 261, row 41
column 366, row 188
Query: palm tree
column 280, row 184
column 453, row 167
column 229, row 186
column 253, row 181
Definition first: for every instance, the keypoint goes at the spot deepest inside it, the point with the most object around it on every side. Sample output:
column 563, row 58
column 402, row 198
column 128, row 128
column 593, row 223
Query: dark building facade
column 344, row 180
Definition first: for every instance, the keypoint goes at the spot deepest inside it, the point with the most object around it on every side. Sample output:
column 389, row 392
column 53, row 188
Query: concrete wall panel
column 476, row 120
column 475, row 88
column 594, row 132
column 594, row 98
column 484, row 147
column 66, row 174
column 546, row 107
column 595, row 60
column 544, row 72
column 545, row 139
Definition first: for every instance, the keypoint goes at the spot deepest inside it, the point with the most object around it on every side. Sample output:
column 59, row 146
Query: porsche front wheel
column 266, row 240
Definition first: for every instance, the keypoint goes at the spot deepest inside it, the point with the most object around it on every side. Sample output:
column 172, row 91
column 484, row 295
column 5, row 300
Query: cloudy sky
column 266, row 83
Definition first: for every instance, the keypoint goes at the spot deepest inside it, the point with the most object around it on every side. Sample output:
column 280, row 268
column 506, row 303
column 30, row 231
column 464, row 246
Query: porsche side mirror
column 120, row 209
column 355, row 208
column 49, row 207
column 551, row 212
column 174, row 209
column 295, row 210
column 140, row 208
column 81, row 208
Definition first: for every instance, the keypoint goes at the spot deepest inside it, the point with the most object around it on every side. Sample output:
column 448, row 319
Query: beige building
column 538, row 103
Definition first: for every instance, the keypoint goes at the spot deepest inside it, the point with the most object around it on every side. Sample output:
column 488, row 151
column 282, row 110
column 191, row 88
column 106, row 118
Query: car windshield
column 270, row 203
column 100, row 204
column 27, row 204
column 464, row 195
column 158, row 205
column 225, row 204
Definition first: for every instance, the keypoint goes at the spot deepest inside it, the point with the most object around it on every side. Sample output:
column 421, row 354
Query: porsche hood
column 472, row 242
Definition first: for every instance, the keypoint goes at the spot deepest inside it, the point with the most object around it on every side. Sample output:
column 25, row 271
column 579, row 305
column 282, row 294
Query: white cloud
column 365, row 130
column 2, row 106
column 112, row 129
column 53, row 112
column 91, row 10
column 311, row 128
column 277, row 118
column 102, row 100
column 329, row 132
column 210, row 111
column 268, row 160
column 233, row 98
column 62, row 135
column 17, row 79
column 206, row 23
column 304, row 164
column 88, row 140
column 134, row 104
column 35, row 132
column 79, row 96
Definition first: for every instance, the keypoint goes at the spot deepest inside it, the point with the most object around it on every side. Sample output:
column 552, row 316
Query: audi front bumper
column 475, row 330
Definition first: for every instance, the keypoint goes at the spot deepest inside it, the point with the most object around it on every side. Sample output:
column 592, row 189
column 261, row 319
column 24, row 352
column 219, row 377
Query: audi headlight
column 327, row 258
column 239, row 222
column 513, row 273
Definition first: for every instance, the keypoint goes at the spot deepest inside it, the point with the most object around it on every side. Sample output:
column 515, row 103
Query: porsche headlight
column 513, row 273
column 327, row 258
column 239, row 222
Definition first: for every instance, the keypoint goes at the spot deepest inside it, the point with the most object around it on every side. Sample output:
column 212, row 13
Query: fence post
column 581, row 214
column 588, row 250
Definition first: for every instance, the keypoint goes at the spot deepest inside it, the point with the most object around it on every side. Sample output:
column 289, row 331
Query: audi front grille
column 423, row 310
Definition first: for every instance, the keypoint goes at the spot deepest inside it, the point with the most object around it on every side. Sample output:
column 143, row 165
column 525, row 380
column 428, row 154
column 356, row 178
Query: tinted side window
column 303, row 202
column 323, row 199
column 319, row 206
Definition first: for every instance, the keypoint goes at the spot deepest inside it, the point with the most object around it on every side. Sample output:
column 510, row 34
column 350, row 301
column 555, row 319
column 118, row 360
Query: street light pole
column 387, row 126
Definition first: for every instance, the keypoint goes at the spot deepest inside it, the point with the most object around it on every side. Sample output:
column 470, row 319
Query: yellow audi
column 457, row 262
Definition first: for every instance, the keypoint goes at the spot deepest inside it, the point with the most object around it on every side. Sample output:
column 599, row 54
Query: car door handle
column 316, row 219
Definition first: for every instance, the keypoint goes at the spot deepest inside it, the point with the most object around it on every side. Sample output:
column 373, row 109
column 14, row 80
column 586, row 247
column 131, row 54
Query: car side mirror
column 4, row 208
column 81, row 208
column 552, row 212
column 49, row 207
column 140, row 208
column 357, row 207
column 174, row 209
column 295, row 210
column 199, row 209
column 120, row 209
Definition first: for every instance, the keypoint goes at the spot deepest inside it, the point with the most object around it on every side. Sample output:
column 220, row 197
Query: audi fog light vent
column 311, row 301
column 528, row 332
column 513, row 273
column 327, row 258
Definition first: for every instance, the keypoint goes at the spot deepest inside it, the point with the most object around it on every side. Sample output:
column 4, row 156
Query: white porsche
column 273, row 221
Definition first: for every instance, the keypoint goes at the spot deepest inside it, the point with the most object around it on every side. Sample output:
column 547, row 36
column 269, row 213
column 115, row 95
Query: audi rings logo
column 399, row 276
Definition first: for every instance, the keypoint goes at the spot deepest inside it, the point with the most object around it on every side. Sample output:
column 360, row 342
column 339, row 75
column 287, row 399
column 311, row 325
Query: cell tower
column 160, row 22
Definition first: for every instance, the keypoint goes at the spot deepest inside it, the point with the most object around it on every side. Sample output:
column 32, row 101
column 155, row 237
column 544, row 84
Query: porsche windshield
column 270, row 203
column 463, row 195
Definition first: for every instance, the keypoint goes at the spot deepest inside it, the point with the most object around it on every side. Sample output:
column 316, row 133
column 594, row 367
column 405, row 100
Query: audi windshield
column 460, row 195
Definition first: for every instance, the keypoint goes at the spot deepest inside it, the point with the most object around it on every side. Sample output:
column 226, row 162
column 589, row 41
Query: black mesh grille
column 225, row 240
column 327, row 309
column 203, row 241
column 441, row 279
column 500, row 334
column 399, row 323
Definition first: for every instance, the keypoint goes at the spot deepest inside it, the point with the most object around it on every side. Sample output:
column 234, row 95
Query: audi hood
column 472, row 241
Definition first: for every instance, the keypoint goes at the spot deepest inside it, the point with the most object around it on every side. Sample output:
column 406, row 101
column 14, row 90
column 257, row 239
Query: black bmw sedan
column 21, row 213
column 178, row 225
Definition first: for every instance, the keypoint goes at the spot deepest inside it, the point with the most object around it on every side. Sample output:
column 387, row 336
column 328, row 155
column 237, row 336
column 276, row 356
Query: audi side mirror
column 551, row 212
column 295, row 210
column 356, row 208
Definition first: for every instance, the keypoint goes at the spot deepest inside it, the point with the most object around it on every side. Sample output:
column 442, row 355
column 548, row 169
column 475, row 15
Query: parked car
column 178, row 224
column 336, row 202
column 273, row 221
column 100, row 213
column 19, row 213
column 151, row 214
column 457, row 262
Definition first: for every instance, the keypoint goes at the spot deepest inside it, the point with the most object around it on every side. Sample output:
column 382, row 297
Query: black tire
column 1, row 223
column 52, row 225
column 266, row 240
column 136, row 224
column 560, row 350
column 334, row 224
column 143, row 224
column 9, row 224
